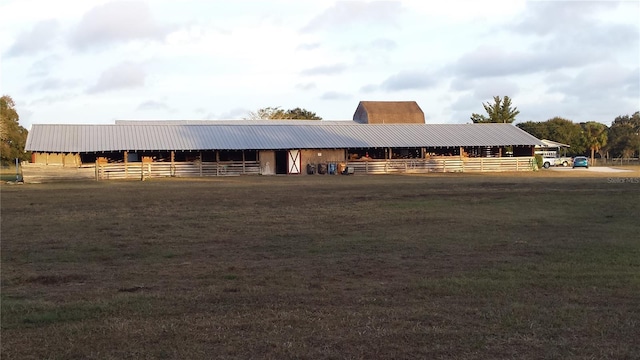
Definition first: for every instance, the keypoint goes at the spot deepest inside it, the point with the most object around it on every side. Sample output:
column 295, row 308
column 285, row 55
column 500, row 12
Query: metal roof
column 555, row 144
column 236, row 122
column 252, row 136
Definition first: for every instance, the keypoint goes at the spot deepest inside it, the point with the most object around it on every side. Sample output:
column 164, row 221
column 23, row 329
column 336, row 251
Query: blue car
column 580, row 161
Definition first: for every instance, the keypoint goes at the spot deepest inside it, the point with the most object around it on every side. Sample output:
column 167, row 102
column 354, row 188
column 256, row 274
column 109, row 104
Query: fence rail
column 442, row 165
column 37, row 173
column 115, row 171
column 182, row 169
column 616, row 162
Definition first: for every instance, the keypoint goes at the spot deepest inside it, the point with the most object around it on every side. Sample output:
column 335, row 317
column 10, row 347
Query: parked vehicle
column 580, row 161
column 547, row 162
column 553, row 154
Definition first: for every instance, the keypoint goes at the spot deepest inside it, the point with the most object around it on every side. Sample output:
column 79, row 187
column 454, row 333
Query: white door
column 294, row 161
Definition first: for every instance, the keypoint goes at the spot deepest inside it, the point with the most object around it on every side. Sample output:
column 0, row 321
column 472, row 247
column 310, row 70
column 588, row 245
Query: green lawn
column 458, row 266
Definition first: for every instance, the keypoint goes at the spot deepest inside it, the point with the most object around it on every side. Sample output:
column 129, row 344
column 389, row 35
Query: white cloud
column 335, row 95
column 409, row 80
column 126, row 75
column 114, row 22
column 52, row 84
column 325, row 70
column 153, row 105
column 36, row 40
column 346, row 14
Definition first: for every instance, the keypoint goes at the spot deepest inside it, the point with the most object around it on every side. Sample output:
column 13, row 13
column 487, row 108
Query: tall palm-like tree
column 595, row 136
column 499, row 112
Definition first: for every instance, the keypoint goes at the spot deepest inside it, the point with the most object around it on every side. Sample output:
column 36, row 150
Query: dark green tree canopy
column 499, row 112
column 12, row 136
column 624, row 136
column 536, row 128
column 557, row 129
column 276, row 113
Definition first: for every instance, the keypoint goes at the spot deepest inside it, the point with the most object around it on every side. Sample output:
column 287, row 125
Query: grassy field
column 540, row 265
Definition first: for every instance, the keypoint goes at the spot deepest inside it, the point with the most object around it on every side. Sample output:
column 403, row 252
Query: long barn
column 384, row 137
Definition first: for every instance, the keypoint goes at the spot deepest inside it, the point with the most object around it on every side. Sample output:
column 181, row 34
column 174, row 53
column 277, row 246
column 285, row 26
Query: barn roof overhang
column 240, row 135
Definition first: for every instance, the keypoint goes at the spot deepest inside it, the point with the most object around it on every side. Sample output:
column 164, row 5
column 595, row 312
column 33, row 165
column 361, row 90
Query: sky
column 94, row 62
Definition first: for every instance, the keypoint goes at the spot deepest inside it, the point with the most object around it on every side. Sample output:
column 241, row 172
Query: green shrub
column 539, row 160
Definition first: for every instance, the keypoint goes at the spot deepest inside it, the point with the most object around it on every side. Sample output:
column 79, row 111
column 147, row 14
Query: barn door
column 294, row 161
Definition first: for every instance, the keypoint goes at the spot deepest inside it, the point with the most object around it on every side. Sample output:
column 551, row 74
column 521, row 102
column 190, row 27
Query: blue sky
column 93, row 61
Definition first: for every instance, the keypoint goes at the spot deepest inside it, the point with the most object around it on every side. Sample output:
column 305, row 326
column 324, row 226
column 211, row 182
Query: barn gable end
column 388, row 112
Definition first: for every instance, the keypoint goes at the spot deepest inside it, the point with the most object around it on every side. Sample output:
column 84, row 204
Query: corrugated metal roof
column 243, row 136
column 551, row 143
column 236, row 122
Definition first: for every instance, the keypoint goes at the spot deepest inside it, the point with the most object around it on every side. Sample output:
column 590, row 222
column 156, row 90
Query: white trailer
column 553, row 154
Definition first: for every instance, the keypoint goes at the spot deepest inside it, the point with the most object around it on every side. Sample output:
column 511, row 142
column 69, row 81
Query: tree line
column 13, row 137
column 621, row 139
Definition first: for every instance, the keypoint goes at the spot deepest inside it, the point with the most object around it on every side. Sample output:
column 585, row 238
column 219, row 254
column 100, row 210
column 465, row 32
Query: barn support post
column 200, row 163
column 126, row 164
column 217, row 163
column 97, row 171
column 243, row 165
column 172, row 171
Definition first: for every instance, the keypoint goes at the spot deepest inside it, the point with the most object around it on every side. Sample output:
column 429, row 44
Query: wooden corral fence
column 443, row 164
column 35, row 173
column 180, row 169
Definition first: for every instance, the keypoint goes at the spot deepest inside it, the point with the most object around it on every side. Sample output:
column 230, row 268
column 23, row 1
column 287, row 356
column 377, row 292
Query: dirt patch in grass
column 443, row 266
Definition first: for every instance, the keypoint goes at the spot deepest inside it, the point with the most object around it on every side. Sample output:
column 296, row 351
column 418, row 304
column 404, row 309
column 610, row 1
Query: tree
column 567, row 132
column 499, row 112
column 624, row 136
column 276, row 113
column 535, row 128
column 558, row 129
column 595, row 136
column 12, row 136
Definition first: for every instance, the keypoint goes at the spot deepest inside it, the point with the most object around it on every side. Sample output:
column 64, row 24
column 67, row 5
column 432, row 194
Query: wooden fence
column 443, row 164
column 615, row 162
column 182, row 169
column 34, row 173
column 37, row 173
